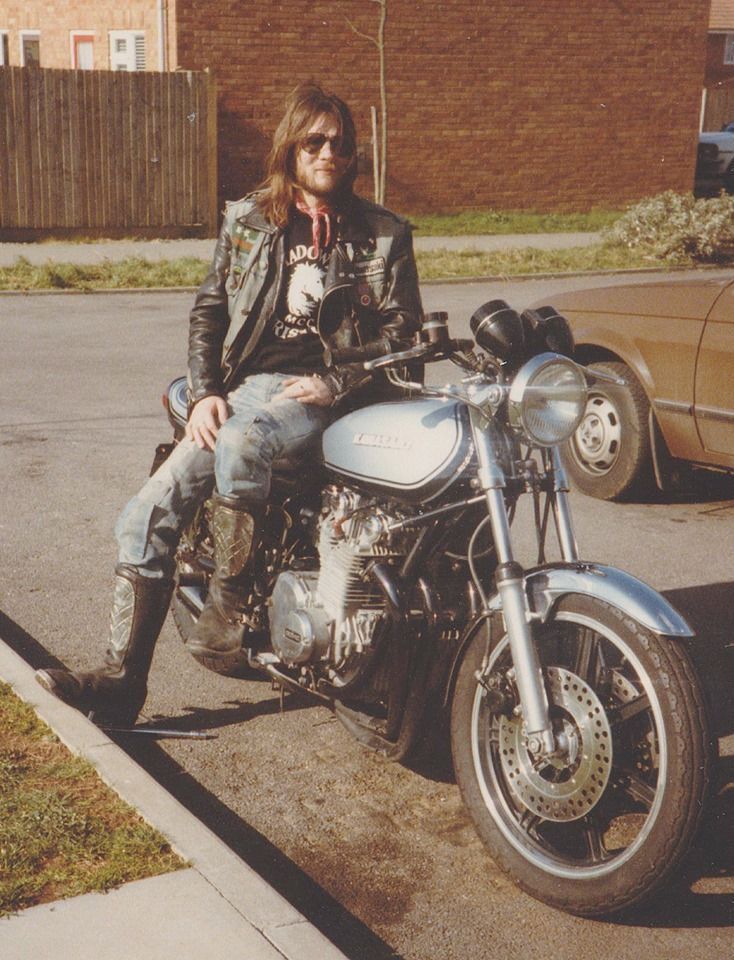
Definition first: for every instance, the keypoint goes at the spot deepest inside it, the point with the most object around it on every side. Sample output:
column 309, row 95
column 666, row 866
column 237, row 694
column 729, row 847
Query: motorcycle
column 386, row 585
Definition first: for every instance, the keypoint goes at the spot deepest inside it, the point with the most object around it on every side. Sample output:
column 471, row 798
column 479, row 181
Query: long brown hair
column 304, row 105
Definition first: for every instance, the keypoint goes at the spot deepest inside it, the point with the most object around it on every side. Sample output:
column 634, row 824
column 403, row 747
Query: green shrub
column 676, row 227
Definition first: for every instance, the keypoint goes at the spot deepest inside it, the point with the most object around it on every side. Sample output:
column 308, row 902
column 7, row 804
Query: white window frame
column 23, row 34
column 4, row 42
column 73, row 36
column 131, row 36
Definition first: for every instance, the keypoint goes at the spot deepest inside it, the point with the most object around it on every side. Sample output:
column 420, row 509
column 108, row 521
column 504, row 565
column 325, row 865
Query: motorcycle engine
column 329, row 615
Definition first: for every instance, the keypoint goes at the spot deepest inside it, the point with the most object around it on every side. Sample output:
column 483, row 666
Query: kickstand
column 160, row 733
column 281, row 693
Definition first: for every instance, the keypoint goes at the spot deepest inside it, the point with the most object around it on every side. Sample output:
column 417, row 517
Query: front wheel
column 601, row 825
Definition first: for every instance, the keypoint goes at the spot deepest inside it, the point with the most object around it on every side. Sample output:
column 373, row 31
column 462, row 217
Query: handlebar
column 369, row 351
column 434, row 351
column 378, row 354
column 414, row 353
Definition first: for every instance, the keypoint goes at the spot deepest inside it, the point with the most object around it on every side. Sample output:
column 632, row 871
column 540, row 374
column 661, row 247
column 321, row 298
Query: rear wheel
column 603, row 824
column 609, row 455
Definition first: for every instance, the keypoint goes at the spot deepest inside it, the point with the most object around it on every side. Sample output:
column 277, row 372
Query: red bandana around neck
column 320, row 218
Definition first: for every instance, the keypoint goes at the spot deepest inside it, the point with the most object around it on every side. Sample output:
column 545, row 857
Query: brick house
column 720, row 46
column 565, row 104
column 85, row 34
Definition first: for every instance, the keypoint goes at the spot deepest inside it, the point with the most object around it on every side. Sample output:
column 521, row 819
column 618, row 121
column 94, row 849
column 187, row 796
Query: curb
column 252, row 897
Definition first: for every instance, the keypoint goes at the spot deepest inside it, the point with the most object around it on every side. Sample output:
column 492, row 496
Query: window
column 4, row 49
column 30, row 48
column 82, row 49
column 127, row 50
column 729, row 49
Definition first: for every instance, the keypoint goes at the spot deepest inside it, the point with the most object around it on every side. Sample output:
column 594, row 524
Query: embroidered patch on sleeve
column 369, row 268
column 243, row 239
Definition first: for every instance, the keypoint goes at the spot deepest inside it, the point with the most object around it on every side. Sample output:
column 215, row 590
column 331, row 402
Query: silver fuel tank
column 409, row 449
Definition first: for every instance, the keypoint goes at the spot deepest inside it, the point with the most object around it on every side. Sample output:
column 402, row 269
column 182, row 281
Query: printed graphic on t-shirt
column 305, row 289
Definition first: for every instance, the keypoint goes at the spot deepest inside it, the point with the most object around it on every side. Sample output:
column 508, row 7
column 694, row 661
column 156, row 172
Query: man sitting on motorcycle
column 301, row 268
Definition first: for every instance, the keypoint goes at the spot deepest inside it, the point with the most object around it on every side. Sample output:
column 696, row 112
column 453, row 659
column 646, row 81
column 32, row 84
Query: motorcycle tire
column 602, row 827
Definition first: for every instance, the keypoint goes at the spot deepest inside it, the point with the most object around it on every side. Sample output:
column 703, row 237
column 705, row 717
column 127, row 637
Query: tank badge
column 382, row 440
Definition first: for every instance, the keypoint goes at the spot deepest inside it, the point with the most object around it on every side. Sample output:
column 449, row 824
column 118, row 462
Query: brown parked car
column 672, row 342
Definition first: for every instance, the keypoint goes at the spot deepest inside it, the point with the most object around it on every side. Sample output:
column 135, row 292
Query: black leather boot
column 221, row 628
column 115, row 693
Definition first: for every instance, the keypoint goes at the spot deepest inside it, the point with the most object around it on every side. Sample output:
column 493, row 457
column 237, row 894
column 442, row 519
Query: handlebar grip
column 369, row 351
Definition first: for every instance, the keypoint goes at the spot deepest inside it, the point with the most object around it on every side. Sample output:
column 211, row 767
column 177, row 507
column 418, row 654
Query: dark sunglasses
column 341, row 146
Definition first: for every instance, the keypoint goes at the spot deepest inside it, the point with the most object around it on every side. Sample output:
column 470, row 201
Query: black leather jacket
column 370, row 293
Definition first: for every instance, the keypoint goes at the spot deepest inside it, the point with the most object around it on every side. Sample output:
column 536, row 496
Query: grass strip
column 107, row 275
column 449, row 264
column 63, row 832
column 497, row 222
column 432, row 265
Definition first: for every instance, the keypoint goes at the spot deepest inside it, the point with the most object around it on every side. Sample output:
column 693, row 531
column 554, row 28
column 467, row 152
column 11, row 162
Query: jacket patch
column 375, row 267
column 243, row 238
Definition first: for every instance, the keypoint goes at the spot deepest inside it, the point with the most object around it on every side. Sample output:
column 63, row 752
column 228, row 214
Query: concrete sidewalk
column 90, row 253
column 218, row 907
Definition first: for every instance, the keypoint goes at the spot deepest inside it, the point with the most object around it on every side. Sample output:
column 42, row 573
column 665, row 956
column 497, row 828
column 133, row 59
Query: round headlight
column 548, row 399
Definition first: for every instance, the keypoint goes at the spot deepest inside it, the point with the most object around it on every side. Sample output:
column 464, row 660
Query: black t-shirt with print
column 290, row 343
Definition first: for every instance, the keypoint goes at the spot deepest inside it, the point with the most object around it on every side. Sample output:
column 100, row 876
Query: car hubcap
column 597, row 441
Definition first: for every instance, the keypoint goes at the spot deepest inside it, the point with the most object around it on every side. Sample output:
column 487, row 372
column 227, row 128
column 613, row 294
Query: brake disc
column 567, row 786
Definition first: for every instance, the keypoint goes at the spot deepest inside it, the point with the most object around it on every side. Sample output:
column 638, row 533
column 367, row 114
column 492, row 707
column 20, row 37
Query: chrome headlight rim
column 520, row 396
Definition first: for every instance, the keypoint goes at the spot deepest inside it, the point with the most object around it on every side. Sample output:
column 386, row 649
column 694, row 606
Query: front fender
column 547, row 584
column 544, row 587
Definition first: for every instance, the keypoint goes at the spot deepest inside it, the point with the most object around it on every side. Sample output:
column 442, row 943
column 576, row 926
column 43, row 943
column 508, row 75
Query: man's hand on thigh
column 205, row 420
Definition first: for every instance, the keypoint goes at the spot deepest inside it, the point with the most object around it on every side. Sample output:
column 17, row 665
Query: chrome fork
column 562, row 510
column 511, row 588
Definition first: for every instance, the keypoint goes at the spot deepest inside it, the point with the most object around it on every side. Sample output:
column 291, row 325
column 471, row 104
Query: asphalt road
column 381, row 857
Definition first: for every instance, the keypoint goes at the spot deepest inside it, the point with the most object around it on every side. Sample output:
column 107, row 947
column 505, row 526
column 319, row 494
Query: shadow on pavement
column 25, row 645
column 697, row 486
column 709, row 609
column 348, row 933
column 680, row 905
column 232, row 712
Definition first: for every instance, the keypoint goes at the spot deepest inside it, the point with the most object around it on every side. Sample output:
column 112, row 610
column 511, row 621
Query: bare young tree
column 378, row 39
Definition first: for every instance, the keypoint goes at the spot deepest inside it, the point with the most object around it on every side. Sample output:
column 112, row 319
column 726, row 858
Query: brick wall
column 716, row 70
column 55, row 19
column 563, row 104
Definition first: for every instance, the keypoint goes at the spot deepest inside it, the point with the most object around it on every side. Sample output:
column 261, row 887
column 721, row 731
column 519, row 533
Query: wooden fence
column 719, row 106
column 107, row 153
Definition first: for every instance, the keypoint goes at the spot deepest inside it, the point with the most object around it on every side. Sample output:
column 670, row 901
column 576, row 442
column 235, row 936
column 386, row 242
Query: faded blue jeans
column 258, row 431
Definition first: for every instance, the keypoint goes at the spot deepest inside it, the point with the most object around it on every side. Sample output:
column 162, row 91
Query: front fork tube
column 562, row 510
column 515, row 609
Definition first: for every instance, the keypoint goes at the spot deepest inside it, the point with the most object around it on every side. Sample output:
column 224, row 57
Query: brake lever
column 414, row 353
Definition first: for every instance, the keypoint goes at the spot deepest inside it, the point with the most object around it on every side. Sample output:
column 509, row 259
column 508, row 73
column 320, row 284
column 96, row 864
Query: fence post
column 212, row 155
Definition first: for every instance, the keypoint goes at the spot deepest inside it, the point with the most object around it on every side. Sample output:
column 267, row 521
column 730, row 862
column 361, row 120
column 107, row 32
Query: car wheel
column 609, row 455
